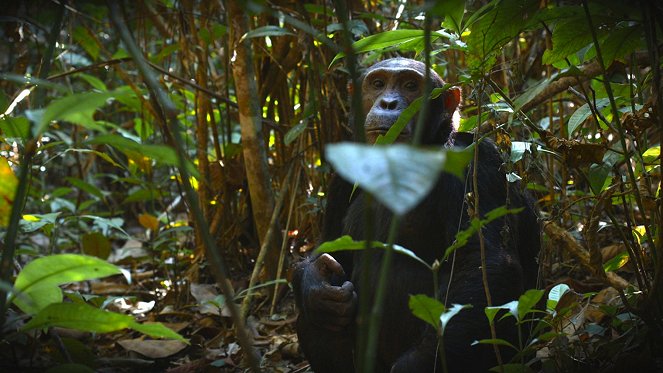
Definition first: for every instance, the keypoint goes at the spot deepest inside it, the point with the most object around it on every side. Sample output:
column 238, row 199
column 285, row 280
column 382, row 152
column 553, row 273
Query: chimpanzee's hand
column 324, row 304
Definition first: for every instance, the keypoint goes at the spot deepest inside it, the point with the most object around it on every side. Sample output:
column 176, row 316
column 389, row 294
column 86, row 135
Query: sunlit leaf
column 81, row 316
column 617, row 262
column 450, row 313
column 387, row 39
column 149, row 221
column 652, row 154
column 39, row 281
column 8, row 184
column 555, row 295
column 399, row 176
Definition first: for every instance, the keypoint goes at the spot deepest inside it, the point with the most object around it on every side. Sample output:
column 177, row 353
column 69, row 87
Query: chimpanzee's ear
column 452, row 99
column 351, row 88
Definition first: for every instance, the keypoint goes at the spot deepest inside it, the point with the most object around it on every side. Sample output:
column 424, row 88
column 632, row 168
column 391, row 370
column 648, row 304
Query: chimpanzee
column 327, row 288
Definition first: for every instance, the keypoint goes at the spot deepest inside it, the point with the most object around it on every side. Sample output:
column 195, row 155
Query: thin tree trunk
column 250, row 119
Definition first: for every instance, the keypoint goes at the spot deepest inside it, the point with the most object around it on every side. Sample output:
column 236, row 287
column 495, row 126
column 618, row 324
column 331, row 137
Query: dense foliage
column 181, row 143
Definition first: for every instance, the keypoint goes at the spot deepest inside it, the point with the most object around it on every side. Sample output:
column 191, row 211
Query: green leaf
column 511, row 307
column 157, row 330
column 85, row 186
column 29, row 80
column 31, row 223
column 96, row 244
column 79, row 316
column 527, row 301
column 84, row 39
column 652, row 154
column 497, row 342
column 555, row 295
column 453, row 11
column 491, row 312
column 294, row 132
column 7, row 191
column 598, row 177
column 94, row 82
column 406, row 116
column 426, row 308
column 143, row 195
column 160, row 153
column 450, row 313
column 266, row 31
column 583, row 112
column 496, row 25
column 15, row 127
column 386, row 39
column 78, row 108
column 531, row 92
column 399, row 176
column 621, row 41
column 568, row 37
column 463, row 237
column 347, row 243
column 38, row 283
column 617, row 262
column 403, row 119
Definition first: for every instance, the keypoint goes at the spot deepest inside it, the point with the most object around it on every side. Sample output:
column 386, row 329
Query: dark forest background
column 163, row 161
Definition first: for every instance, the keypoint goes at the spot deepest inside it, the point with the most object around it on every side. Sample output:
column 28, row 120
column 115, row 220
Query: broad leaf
column 399, row 176
column 387, row 39
column 7, row 191
column 38, row 283
column 426, row 308
column 463, row 237
column 617, row 262
column 450, row 313
column 160, row 153
column 583, row 112
column 406, row 116
column 347, row 243
column 294, row 132
column 263, row 31
column 555, row 295
column 78, row 108
column 81, row 316
column 527, row 301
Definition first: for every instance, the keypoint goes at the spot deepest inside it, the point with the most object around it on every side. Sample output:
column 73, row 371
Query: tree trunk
column 250, row 119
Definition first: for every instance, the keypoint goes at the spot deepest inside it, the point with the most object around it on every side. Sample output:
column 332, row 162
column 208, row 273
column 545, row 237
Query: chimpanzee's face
column 388, row 90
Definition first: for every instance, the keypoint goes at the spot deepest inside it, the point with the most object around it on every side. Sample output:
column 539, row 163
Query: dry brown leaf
column 153, row 348
column 149, row 221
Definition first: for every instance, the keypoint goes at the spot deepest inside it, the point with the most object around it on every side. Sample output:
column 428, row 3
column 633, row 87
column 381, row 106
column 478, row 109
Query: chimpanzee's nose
column 388, row 103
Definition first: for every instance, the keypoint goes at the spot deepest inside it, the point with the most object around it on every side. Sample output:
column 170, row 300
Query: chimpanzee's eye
column 378, row 83
column 411, row 85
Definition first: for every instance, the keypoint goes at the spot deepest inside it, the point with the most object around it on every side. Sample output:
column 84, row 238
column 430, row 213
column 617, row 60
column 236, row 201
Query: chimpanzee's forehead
column 399, row 65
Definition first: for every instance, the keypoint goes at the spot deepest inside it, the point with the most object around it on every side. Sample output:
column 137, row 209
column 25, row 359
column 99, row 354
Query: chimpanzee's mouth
column 376, row 131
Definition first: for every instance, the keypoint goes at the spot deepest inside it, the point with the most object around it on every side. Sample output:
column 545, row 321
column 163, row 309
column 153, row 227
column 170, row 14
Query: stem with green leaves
column 24, row 168
column 174, row 127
